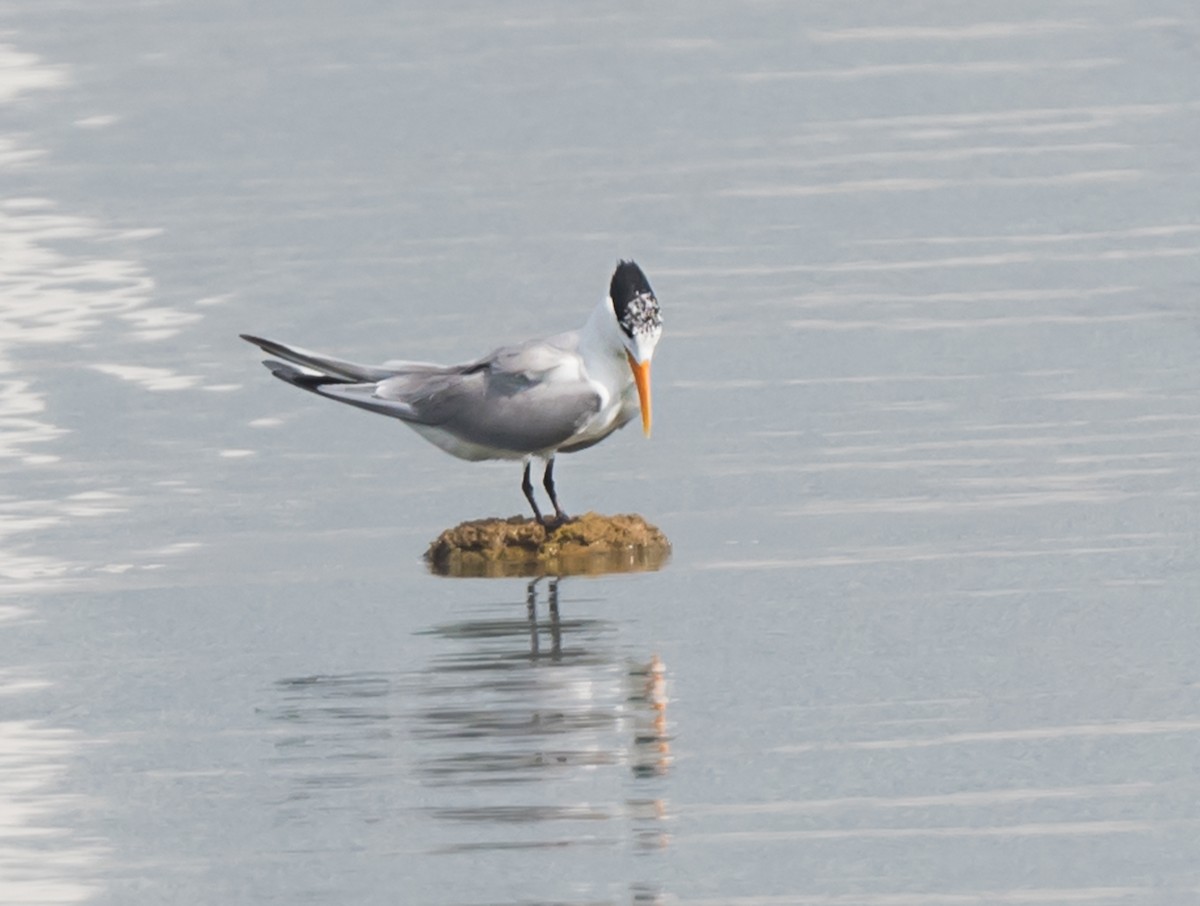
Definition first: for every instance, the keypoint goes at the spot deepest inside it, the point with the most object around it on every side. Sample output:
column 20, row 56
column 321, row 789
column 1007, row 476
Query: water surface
column 927, row 422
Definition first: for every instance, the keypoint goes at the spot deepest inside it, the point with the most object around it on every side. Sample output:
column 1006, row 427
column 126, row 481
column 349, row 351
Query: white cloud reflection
column 150, row 378
column 60, row 282
column 22, row 72
column 54, row 296
column 41, row 861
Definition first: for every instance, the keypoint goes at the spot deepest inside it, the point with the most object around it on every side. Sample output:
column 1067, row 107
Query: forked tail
column 331, row 370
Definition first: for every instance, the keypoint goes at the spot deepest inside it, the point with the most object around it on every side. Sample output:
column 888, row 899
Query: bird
column 531, row 400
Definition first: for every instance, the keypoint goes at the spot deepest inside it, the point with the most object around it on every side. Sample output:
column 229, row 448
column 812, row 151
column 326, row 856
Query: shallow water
column 926, row 444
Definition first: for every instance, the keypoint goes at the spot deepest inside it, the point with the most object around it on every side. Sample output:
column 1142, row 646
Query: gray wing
column 510, row 400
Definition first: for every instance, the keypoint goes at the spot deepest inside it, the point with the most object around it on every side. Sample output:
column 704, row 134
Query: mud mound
column 588, row 545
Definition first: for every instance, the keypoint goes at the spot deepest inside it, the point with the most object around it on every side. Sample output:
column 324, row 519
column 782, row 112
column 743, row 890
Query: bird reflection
column 652, row 744
column 560, row 711
column 555, row 626
column 528, row 729
column 522, row 717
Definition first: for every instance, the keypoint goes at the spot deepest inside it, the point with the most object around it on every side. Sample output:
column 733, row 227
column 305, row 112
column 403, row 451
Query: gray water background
column 927, row 422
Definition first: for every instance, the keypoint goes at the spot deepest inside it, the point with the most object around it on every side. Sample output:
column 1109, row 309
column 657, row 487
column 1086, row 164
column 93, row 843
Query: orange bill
column 641, row 377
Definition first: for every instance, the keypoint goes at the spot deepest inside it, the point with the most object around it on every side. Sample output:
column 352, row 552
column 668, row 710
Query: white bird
column 535, row 399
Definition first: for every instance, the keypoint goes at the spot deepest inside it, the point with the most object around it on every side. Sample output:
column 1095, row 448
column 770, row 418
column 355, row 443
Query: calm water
column 927, row 443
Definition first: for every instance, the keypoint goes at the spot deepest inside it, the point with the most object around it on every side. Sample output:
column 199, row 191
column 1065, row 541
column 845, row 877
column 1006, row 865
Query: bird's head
column 640, row 322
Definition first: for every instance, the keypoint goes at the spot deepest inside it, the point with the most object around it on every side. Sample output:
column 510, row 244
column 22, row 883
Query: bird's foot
column 550, row 523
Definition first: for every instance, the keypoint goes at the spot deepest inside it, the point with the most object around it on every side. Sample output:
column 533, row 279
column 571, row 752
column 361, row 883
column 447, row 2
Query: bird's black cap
column 633, row 300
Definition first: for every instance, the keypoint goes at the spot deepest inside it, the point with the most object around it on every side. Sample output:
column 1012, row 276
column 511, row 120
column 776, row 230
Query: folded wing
column 504, row 401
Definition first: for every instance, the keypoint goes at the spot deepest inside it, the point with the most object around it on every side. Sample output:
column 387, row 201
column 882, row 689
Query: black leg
column 527, row 487
column 555, row 625
column 531, row 610
column 548, row 484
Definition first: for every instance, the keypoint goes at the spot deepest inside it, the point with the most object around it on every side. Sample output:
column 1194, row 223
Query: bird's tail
column 329, row 370
column 336, row 379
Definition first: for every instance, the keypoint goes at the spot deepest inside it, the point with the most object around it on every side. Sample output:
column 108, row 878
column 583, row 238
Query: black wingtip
column 290, row 374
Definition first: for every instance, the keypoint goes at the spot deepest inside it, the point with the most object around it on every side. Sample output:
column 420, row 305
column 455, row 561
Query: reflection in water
column 530, row 731
column 41, row 859
column 544, row 712
column 653, row 754
column 338, row 737
column 66, row 290
column 57, row 285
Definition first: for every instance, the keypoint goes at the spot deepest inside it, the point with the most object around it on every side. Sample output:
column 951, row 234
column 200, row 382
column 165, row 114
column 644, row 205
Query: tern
column 531, row 400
